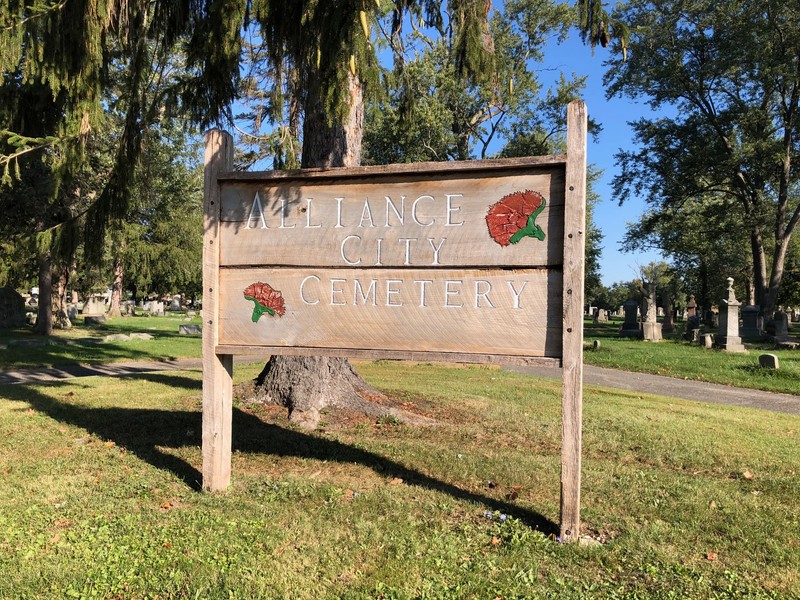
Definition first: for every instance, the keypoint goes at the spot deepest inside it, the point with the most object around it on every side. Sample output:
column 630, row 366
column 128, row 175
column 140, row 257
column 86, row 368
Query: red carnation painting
column 266, row 300
column 514, row 217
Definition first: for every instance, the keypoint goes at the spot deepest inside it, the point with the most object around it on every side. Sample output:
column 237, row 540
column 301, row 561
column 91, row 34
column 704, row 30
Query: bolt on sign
column 478, row 261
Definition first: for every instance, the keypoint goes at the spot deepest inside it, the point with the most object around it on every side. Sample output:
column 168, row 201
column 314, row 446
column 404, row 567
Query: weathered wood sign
column 472, row 262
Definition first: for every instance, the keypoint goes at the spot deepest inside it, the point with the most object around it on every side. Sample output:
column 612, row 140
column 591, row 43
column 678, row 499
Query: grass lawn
column 674, row 357
column 99, row 495
column 83, row 344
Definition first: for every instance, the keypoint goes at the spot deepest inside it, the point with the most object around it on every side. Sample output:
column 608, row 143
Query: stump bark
column 307, row 385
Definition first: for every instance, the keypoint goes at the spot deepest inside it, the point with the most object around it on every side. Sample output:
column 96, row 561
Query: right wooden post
column 572, row 336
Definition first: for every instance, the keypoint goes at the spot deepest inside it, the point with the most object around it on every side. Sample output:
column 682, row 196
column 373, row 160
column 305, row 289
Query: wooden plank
column 383, row 221
column 448, row 357
column 572, row 360
column 217, row 369
column 513, row 311
column 407, row 169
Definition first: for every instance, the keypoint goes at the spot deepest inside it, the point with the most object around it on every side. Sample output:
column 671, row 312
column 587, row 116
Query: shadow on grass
column 57, row 352
column 143, row 432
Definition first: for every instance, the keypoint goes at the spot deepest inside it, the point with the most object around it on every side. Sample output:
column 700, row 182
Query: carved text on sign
column 399, row 292
column 386, row 212
column 356, row 249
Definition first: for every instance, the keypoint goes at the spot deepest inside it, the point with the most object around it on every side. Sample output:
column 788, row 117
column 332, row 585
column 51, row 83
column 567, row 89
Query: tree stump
column 307, row 385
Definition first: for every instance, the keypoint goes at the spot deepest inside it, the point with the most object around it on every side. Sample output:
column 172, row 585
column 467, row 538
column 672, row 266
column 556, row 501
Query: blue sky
column 574, row 57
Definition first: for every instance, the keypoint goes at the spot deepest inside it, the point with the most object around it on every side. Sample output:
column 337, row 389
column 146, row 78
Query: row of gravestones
column 96, row 306
column 729, row 335
column 13, row 313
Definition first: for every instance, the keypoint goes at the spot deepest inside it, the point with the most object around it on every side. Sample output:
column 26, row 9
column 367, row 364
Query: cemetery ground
column 100, row 480
column 675, row 357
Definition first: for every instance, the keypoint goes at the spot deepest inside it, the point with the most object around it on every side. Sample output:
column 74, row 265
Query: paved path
column 677, row 388
column 611, row 378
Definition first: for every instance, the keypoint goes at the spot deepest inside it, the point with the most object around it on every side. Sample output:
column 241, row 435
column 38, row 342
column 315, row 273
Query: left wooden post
column 217, row 368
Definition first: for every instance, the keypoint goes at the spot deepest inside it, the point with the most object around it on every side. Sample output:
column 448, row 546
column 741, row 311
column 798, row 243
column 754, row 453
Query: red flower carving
column 514, row 217
column 267, row 300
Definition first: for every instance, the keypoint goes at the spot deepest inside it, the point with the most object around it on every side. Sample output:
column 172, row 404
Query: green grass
column 99, row 478
column 19, row 348
column 674, row 357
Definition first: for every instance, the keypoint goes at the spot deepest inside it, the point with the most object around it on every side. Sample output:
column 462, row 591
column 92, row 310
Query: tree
column 706, row 241
column 618, row 293
column 162, row 248
column 731, row 74
column 64, row 59
column 432, row 112
column 43, row 198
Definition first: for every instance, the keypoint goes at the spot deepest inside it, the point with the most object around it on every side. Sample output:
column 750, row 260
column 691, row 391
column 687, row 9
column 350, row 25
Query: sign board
column 476, row 261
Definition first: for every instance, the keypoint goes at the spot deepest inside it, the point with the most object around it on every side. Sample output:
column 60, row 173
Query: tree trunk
column 114, row 309
column 705, row 294
column 776, row 277
column 751, row 287
column 44, row 314
column 60, row 314
column 759, row 269
column 333, row 144
column 308, row 385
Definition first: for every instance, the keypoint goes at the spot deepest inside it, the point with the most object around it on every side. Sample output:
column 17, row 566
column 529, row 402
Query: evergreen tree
column 72, row 55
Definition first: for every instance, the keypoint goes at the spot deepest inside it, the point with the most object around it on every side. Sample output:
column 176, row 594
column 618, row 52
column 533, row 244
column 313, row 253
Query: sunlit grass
column 99, row 480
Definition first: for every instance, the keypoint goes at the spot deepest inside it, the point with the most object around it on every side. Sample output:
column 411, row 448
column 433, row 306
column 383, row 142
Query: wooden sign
column 469, row 261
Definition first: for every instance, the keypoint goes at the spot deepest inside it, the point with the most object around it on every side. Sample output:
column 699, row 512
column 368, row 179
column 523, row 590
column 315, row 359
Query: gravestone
column 707, row 340
column 651, row 328
column 72, row 312
column 175, row 305
column 691, row 307
column 94, row 306
column 728, row 337
column 778, row 328
column 630, row 327
column 190, row 330
column 768, row 361
column 602, row 315
column 668, row 325
column 12, row 308
column 711, row 318
column 752, row 322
